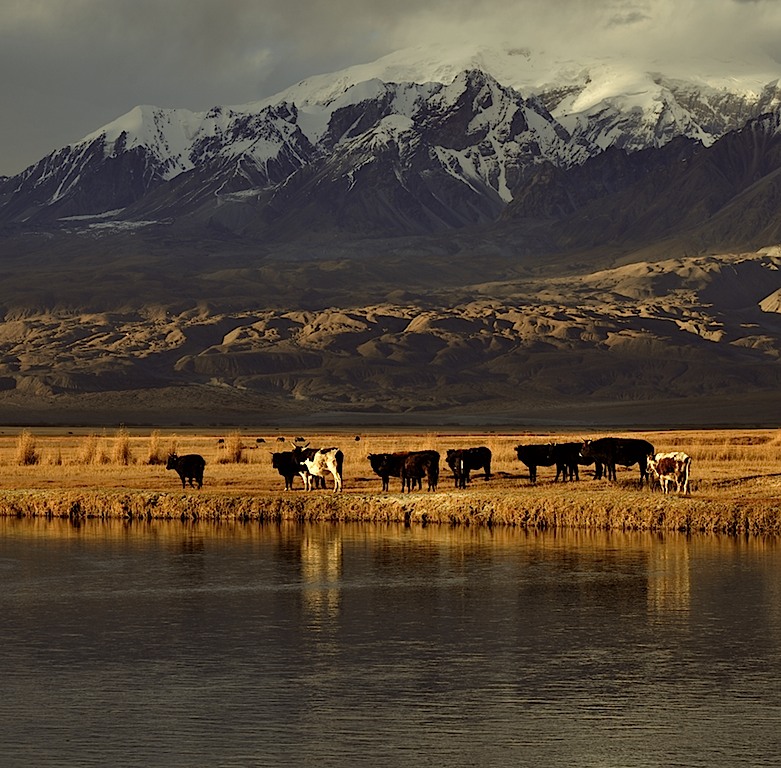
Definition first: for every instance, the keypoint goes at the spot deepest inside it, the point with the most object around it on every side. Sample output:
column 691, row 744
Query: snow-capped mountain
column 418, row 141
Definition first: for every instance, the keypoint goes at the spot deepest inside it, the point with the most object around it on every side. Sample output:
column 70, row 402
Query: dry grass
column 26, row 453
column 736, row 481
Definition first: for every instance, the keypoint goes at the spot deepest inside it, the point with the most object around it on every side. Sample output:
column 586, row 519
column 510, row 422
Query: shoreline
column 618, row 510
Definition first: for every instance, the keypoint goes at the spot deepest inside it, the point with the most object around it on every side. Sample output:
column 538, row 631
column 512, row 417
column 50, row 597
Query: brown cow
column 669, row 469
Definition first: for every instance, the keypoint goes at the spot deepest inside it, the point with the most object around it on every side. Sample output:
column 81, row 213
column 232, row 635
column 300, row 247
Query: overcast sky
column 67, row 67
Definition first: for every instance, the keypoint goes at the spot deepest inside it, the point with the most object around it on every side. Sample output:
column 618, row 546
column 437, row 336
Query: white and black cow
column 323, row 461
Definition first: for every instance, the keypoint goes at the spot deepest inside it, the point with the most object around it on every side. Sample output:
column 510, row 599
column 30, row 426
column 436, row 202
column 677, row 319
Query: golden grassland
column 736, row 481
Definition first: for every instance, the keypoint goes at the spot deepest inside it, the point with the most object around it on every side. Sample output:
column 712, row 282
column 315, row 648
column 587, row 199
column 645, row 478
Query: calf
column 189, row 467
column 669, row 469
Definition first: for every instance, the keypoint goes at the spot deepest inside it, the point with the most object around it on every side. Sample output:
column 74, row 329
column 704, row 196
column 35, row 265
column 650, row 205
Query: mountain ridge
column 402, row 250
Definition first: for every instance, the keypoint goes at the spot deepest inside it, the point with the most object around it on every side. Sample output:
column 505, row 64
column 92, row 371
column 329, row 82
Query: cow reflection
column 669, row 579
column 321, row 571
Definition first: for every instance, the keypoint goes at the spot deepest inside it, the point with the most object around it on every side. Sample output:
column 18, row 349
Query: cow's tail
column 339, row 463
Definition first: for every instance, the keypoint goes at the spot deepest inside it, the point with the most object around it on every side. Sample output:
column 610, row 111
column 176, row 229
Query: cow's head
column 172, row 459
column 281, row 460
column 377, row 460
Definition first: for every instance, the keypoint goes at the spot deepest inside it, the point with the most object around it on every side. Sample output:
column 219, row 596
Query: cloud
column 72, row 65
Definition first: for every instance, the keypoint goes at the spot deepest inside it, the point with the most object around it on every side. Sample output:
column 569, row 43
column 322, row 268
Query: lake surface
column 172, row 644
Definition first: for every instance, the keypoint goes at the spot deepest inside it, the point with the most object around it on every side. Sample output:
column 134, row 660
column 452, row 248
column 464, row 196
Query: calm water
column 240, row 645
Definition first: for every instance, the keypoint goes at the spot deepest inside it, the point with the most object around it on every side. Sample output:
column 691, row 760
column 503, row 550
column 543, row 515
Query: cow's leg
column 643, row 472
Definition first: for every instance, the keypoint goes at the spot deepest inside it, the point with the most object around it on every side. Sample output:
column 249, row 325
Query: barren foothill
column 76, row 473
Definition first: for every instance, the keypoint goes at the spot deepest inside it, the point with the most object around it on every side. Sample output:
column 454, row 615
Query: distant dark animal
column 416, row 466
column 260, row 440
column 324, row 460
column 280, row 439
column 671, row 469
column 535, row 455
column 387, row 465
column 286, row 463
column 625, row 451
column 462, row 461
column 567, row 458
column 189, row 468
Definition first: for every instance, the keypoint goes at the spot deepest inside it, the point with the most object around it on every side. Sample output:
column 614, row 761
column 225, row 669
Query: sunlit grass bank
column 736, row 482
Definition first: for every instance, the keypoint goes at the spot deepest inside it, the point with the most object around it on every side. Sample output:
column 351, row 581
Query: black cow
column 463, row 460
column 535, row 455
column 189, row 467
column 286, row 463
column 567, row 457
column 418, row 464
column 625, row 451
column 387, row 465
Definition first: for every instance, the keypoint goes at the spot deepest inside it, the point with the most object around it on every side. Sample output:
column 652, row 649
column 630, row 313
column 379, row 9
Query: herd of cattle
column 670, row 471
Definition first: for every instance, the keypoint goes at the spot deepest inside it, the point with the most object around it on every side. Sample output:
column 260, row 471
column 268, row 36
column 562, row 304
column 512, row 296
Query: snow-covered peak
column 167, row 133
column 532, row 72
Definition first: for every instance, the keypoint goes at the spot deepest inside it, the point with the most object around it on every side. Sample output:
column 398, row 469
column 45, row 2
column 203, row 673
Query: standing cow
column 387, row 465
column 189, row 468
column 300, row 453
column 535, row 455
column 324, row 460
column 288, row 466
column 462, row 461
column 419, row 464
column 625, row 451
column 671, row 469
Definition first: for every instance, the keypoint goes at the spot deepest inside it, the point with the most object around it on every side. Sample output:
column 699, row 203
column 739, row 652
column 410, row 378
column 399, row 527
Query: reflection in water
column 321, row 570
column 334, row 645
column 669, row 585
